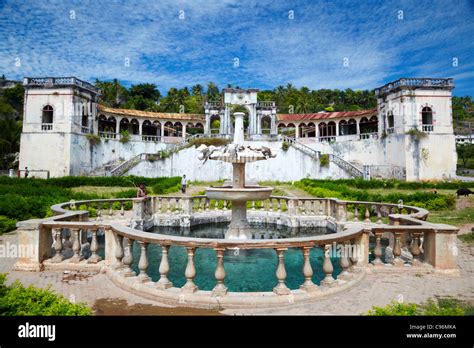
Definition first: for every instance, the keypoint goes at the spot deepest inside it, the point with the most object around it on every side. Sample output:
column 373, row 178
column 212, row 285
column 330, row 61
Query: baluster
column 67, row 244
column 168, row 206
column 270, row 205
column 367, row 213
column 308, row 284
column 321, row 208
column 111, row 212
column 122, row 209
column 143, row 263
column 160, row 204
column 225, row 205
column 128, row 259
column 94, row 248
column 397, row 250
column 281, row 288
column 58, row 246
column 415, row 249
column 207, row 203
column 190, row 272
column 344, row 263
column 379, row 214
column 154, row 202
column 327, row 267
column 216, row 204
column 118, row 251
column 354, row 257
column 253, row 205
column 76, row 246
column 378, row 249
column 220, row 289
column 164, row 283
column 279, row 205
column 356, row 212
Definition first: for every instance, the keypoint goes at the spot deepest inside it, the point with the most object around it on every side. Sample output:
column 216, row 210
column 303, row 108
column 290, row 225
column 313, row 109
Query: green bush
column 324, row 160
column 124, row 136
column 355, row 190
column 17, row 300
column 6, row 224
column 441, row 307
column 285, row 146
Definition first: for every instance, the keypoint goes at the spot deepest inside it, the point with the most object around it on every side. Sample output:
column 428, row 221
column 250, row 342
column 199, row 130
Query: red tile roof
column 326, row 115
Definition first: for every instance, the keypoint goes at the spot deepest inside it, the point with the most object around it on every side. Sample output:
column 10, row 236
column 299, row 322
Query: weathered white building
column 410, row 135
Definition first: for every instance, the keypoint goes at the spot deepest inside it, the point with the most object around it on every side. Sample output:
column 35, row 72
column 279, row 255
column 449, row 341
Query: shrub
column 416, row 134
column 94, row 139
column 209, row 141
column 124, row 136
column 441, row 307
column 17, row 300
column 6, row 224
column 324, row 160
column 285, row 146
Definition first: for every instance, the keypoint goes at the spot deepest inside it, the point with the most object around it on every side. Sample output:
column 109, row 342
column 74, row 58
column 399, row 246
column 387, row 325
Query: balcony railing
column 108, row 135
column 390, row 130
column 50, row 82
column 329, row 138
column 152, row 138
column 430, row 83
column 46, row 126
column 368, row 136
column 266, row 104
column 427, row 128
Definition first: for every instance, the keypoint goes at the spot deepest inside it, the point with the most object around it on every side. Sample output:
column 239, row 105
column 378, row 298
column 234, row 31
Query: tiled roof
column 149, row 114
column 325, row 115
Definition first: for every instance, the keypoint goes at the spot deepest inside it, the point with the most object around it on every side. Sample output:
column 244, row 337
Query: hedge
column 342, row 189
column 17, row 300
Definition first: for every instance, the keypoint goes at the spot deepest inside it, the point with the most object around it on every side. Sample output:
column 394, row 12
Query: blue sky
column 272, row 49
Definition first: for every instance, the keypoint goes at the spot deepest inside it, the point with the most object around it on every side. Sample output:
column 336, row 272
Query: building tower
column 416, row 126
column 58, row 112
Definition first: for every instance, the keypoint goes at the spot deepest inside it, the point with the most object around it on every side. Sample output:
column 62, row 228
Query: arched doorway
column 215, row 126
column 266, row 124
column 124, row 124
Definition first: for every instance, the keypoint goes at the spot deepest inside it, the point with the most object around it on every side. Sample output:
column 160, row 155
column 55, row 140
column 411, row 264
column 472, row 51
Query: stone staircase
column 349, row 167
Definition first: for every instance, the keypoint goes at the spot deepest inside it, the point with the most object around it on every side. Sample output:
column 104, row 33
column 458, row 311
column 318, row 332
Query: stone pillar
column 273, row 127
column 239, row 128
column 207, row 124
column 140, row 127
column 238, row 175
column 163, row 128
column 117, row 126
column 36, row 241
column 297, row 130
column 440, row 248
column 341, row 211
column 358, row 127
column 184, row 130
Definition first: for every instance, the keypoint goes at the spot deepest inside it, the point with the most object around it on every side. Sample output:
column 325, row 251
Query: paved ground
column 376, row 289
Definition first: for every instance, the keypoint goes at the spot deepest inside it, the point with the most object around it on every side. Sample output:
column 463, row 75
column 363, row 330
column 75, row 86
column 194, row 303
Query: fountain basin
column 247, row 193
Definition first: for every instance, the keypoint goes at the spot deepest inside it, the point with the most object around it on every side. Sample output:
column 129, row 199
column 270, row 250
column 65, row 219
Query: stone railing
column 429, row 83
column 50, row 82
column 46, row 126
column 59, row 244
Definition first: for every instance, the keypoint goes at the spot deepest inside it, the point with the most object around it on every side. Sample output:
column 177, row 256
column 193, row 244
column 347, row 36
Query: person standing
column 27, row 172
column 183, row 184
column 141, row 192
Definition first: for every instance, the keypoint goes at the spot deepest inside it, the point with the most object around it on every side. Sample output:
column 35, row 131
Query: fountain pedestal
column 238, row 194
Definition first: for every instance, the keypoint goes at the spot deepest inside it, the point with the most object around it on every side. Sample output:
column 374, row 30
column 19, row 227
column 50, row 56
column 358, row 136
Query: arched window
column 124, row 125
column 47, row 116
column 331, row 128
column 303, row 130
column 311, row 130
column 352, row 127
column 135, row 126
column 427, row 115
column 266, row 124
column 368, row 126
column 85, row 117
column 169, row 129
column 280, row 128
column 290, row 130
column 157, row 125
column 323, row 129
column 390, row 122
column 149, row 129
column 343, row 127
column 215, row 124
column 178, row 126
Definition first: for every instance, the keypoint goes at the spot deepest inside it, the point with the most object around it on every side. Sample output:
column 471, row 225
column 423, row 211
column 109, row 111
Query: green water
column 246, row 270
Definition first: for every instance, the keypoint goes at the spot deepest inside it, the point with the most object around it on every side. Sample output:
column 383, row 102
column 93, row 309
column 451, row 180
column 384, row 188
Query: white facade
column 413, row 120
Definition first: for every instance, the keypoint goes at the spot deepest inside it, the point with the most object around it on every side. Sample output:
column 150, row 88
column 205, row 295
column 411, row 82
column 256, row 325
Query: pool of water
column 246, row 270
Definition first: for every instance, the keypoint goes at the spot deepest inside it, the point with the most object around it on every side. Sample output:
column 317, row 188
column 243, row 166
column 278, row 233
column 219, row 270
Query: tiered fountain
column 238, row 193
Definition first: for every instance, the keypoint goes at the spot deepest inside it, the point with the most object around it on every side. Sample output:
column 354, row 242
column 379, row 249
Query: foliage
column 416, row 134
column 324, row 160
column 440, row 307
column 22, row 199
column 465, row 152
column 468, row 237
column 10, row 132
column 17, row 300
column 94, row 139
column 6, row 224
column 209, row 141
column 355, row 190
column 167, row 186
column 124, row 136
column 285, row 146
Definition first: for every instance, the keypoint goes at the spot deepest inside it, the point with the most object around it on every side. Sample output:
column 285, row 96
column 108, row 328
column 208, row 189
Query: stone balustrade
column 69, row 240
